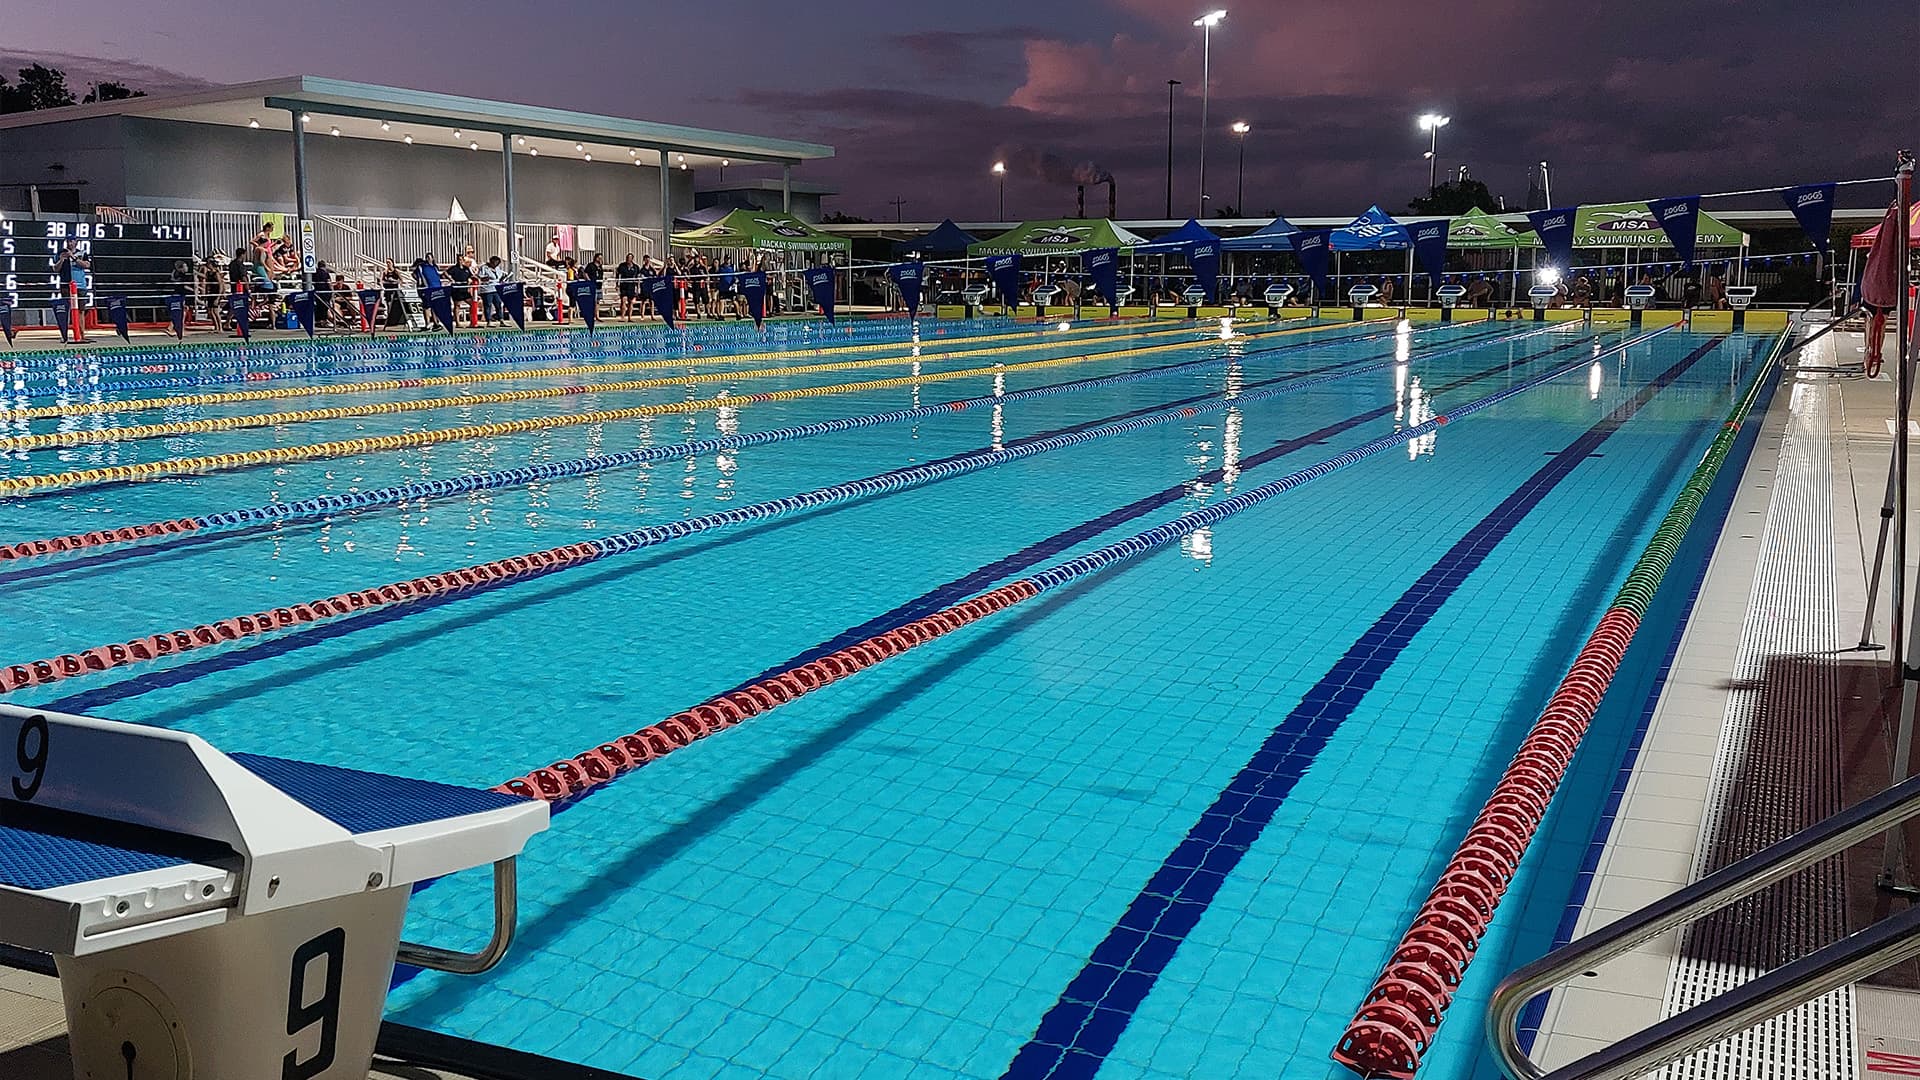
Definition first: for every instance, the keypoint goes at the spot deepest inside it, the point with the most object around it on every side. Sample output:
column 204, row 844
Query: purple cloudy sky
column 1627, row 99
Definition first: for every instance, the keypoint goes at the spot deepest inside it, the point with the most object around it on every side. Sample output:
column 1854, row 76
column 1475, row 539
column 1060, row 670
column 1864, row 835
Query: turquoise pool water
column 914, row 872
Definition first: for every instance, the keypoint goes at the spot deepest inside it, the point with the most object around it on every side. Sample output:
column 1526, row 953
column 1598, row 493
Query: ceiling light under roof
column 335, row 132
column 533, row 151
column 408, row 139
column 589, row 157
column 252, row 123
column 384, row 126
column 473, row 146
column 306, row 118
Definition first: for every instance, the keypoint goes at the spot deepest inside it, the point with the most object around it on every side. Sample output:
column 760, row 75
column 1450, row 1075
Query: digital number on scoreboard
column 135, row 261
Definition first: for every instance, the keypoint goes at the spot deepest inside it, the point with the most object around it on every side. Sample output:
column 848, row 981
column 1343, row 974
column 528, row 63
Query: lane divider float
column 281, row 455
column 1400, row 1016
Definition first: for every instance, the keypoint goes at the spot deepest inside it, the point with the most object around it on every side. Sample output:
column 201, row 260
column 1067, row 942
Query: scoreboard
column 135, row 261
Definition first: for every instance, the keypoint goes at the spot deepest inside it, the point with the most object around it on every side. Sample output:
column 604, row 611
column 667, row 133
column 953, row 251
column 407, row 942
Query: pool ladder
column 1880, row 946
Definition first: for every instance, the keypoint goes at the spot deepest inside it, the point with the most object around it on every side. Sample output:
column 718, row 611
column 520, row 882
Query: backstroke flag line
column 1430, row 247
column 60, row 314
column 1204, row 258
column 1004, row 270
column 1311, row 246
column 237, row 307
column 513, row 297
column 6, row 320
column 753, row 286
column 303, row 310
column 580, row 291
column 1812, row 206
column 660, row 290
column 369, row 303
column 1555, row 229
column 177, row 316
column 1103, row 266
column 117, row 311
column 1680, row 218
column 909, row 277
column 819, row 281
column 440, row 302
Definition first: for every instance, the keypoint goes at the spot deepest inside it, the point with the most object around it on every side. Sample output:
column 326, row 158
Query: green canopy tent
column 770, row 231
column 1477, row 230
column 1632, row 228
column 1063, row 236
column 763, row 230
column 1060, row 236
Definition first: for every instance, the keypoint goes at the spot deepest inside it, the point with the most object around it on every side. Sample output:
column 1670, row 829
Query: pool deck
column 1770, row 719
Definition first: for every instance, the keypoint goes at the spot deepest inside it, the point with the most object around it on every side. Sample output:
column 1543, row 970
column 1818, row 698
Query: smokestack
column 1081, row 201
column 1113, row 201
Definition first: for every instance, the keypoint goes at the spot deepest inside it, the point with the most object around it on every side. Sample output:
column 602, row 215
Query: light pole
column 1240, row 128
column 1000, row 174
column 1171, row 83
column 1431, row 123
column 1206, row 23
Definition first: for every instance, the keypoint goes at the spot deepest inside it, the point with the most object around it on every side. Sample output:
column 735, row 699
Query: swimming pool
column 974, row 859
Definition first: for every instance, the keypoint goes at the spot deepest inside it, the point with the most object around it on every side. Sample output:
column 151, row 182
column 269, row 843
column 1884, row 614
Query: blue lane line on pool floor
column 1041, row 550
column 1075, row 1036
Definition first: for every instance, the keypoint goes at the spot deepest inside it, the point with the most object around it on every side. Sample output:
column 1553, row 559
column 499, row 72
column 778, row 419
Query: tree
column 111, row 91
column 40, row 87
column 1456, row 197
column 838, row 218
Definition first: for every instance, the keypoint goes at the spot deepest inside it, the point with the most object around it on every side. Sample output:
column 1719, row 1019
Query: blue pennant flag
column 753, row 286
column 1204, row 257
column 302, row 304
column 6, row 319
column 177, row 316
column 1680, row 218
column 1004, row 270
column 440, row 303
column 1311, row 246
column 62, row 310
column 117, row 311
column 237, row 307
column 513, row 298
column 1555, row 229
column 1430, row 247
column 665, row 298
column 819, row 281
column 1103, row 266
column 1812, row 206
column 581, row 292
column 369, row 306
column 909, row 277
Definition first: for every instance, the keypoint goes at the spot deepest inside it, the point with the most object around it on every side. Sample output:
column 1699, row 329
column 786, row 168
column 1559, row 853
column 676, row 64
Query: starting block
column 229, row 917
column 1360, row 296
column 1740, row 298
column 1542, row 298
column 1449, row 297
column 1276, row 297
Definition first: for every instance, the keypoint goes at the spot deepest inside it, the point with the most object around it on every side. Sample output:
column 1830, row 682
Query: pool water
column 963, row 861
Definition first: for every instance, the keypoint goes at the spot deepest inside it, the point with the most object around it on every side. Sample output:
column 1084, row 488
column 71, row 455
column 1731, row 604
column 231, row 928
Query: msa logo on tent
column 1467, row 230
column 781, row 228
column 1624, row 221
column 1059, row 237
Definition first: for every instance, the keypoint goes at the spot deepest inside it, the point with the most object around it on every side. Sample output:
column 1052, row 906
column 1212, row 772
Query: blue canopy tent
column 1273, row 236
column 1183, row 239
column 948, row 239
column 1375, row 230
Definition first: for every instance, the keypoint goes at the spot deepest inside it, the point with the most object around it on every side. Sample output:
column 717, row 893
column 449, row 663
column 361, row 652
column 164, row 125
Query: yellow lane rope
column 284, row 455
column 101, row 408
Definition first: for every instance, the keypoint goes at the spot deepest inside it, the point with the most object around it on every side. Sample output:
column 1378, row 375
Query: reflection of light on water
column 1000, row 384
column 1401, row 349
column 1226, row 329
column 999, row 426
column 1230, row 448
column 1419, row 411
column 1594, row 378
column 1198, row 545
column 916, row 376
column 1065, row 326
column 1236, row 378
column 727, row 419
column 1399, row 394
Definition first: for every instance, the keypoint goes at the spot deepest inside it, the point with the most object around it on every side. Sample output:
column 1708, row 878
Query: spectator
column 460, row 282
column 213, row 291
column 553, row 252
column 627, row 278
column 490, row 278
column 429, row 272
column 395, row 308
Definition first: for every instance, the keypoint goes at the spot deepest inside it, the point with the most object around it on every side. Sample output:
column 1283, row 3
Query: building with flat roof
column 370, row 151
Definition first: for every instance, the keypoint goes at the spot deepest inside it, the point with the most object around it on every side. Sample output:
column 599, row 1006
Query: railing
column 1886, row 943
column 505, row 905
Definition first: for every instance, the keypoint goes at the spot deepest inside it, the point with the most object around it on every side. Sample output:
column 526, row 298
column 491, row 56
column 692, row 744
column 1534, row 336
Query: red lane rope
column 576, row 775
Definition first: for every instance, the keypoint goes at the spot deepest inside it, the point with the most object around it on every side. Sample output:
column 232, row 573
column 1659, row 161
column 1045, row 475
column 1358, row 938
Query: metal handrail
column 1885, row 943
column 506, row 904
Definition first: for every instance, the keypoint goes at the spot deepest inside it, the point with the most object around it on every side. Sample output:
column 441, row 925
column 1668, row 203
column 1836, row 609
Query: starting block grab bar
column 229, row 917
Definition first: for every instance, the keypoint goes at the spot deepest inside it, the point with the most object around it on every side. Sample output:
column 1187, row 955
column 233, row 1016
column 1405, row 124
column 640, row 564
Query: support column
column 513, row 227
column 786, row 189
column 300, row 204
column 666, row 207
